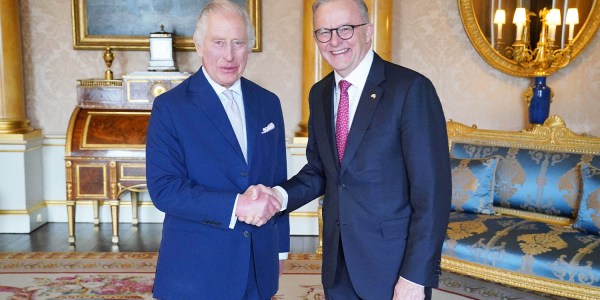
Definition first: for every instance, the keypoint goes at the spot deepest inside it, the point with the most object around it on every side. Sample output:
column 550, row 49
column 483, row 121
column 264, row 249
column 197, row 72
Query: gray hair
column 362, row 7
column 222, row 6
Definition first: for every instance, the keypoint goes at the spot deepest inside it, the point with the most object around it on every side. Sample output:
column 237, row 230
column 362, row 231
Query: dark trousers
column 342, row 288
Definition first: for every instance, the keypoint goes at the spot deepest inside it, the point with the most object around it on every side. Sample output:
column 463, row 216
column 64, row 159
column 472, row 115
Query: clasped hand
column 257, row 205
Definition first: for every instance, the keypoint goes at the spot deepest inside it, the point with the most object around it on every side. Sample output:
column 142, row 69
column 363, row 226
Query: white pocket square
column 269, row 127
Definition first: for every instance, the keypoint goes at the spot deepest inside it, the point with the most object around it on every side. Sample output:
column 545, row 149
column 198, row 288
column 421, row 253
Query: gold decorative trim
column 553, row 135
column 19, row 136
column 69, row 141
column 100, row 82
column 498, row 61
column 147, row 203
column 84, row 41
column 28, row 211
column 90, row 158
column 124, row 177
column 304, row 214
column 554, row 220
column 21, row 151
column 529, row 282
column 85, row 144
column 128, row 89
column 104, row 187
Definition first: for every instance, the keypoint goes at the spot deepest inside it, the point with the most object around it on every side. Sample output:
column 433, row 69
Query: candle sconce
column 546, row 57
column 477, row 17
column 538, row 42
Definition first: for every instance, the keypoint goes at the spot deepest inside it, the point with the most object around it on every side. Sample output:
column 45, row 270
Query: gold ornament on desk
column 109, row 57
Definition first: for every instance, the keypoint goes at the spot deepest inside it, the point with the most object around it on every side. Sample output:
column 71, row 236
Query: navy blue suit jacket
column 195, row 168
column 389, row 199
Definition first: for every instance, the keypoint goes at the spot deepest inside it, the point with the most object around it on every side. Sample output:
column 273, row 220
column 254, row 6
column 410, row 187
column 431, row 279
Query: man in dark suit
column 209, row 139
column 378, row 151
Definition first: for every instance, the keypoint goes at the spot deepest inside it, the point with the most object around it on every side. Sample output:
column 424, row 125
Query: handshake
column 258, row 204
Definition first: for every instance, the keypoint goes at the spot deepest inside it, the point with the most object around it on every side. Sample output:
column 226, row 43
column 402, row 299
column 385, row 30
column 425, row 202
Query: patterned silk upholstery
column 524, row 246
column 473, row 184
column 544, row 234
column 588, row 218
column 533, row 180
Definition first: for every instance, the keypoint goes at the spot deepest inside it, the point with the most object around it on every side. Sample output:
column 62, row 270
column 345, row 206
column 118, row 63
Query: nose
column 228, row 53
column 335, row 39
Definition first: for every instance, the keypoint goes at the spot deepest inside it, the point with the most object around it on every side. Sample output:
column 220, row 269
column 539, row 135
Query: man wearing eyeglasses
column 378, row 151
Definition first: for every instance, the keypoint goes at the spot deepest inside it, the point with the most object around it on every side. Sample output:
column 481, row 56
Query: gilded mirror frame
column 500, row 62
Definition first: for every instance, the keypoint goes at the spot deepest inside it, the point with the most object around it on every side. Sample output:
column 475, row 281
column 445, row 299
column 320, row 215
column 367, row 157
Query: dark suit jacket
column 195, row 168
column 389, row 200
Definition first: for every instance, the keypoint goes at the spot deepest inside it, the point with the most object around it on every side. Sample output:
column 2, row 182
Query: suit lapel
column 206, row 99
column 252, row 111
column 369, row 100
column 328, row 117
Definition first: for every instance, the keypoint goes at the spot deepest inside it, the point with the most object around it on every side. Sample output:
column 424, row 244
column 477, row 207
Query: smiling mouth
column 340, row 51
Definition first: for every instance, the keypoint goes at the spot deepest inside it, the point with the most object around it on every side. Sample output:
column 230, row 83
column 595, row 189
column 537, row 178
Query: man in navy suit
column 210, row 139
column 378, row 151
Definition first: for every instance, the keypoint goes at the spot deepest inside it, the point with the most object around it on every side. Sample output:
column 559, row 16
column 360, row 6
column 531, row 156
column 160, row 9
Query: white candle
column 519, row 19
column 572, row 19
column 552, row 31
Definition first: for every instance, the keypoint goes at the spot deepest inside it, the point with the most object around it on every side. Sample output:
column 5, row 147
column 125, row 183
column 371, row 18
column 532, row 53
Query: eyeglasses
column 345, row 32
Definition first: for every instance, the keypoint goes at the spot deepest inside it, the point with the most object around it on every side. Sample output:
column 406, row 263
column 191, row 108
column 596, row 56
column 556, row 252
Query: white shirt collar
column 358, row 76
column 219, row 89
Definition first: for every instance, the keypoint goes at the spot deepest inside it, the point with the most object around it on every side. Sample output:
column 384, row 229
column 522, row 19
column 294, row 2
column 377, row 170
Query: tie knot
column 228, row 94
column 344, row 85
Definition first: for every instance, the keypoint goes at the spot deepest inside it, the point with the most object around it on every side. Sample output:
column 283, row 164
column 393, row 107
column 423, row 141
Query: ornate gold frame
column 501, row 63
column 84, row 41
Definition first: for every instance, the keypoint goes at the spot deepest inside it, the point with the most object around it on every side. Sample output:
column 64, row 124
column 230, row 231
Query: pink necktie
column 341, row 122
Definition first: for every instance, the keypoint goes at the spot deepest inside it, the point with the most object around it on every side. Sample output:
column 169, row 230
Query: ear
column 199, row 49
column 370, row 31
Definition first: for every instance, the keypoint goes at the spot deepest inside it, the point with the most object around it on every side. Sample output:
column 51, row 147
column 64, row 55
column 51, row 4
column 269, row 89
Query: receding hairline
column 362, row 7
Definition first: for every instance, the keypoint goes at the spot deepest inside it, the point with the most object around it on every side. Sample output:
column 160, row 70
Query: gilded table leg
column 96, row 213
column 71, row 221
column 320, row 218
column 114, row 213
column 134, row 208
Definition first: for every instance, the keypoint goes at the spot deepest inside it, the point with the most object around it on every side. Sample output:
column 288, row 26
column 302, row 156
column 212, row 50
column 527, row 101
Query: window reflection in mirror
column 502, row 23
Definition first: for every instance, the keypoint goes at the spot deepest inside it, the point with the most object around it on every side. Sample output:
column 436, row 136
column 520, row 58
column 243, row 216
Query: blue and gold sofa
column 526, row 208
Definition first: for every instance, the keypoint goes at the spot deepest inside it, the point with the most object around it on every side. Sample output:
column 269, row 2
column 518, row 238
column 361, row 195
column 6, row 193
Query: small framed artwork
column 127, row 24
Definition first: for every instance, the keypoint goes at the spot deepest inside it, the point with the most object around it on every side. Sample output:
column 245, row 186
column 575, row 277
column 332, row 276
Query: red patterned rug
column 130, row 275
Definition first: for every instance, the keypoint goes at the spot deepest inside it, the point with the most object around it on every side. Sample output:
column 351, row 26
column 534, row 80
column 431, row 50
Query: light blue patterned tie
column 235, row 118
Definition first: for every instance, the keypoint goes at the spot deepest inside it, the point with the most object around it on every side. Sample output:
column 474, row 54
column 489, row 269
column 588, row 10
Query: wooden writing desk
column 106, row 142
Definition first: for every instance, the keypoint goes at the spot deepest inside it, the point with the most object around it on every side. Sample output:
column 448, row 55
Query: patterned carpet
column 130, row 275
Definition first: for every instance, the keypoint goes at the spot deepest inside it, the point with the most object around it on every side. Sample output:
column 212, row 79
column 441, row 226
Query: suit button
column 343, row 186
column 246, row 234
column 337, row 222
column 244, row 174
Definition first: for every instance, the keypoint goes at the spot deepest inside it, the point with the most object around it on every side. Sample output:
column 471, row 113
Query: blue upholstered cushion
column 588, row 218
column 533, row 180
column 473, row 184
column 524, row 246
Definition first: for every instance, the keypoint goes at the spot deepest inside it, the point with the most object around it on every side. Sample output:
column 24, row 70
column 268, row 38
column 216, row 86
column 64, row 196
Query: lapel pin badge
column 373, row 96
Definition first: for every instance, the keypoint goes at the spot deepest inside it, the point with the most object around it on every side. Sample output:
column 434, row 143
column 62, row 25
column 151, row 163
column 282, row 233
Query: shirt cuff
column 233, row 217
column 283, row 255
column 411, row 282
column 284, row 194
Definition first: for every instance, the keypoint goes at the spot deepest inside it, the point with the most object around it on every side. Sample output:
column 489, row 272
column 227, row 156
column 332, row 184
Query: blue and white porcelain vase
column 539, row 104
